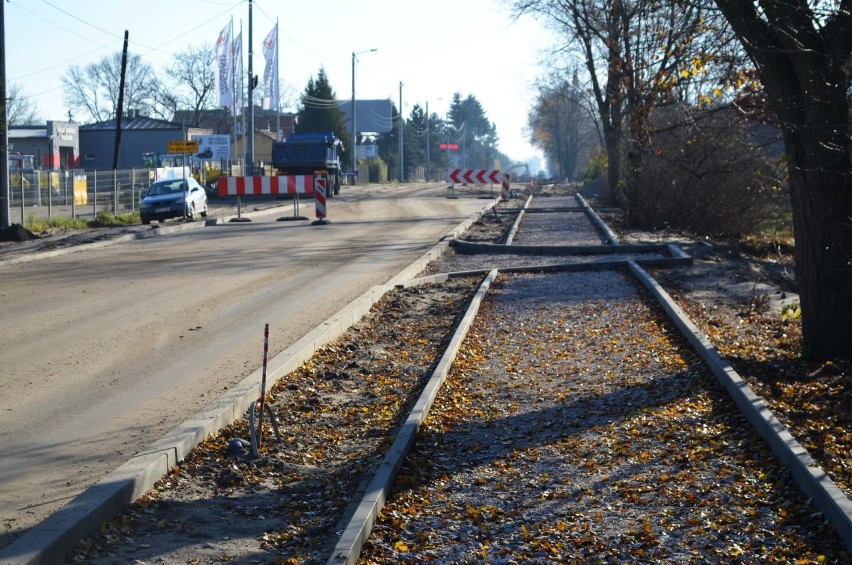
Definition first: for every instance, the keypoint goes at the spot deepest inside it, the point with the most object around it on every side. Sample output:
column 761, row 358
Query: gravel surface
column 576, row 426
column 564, row 223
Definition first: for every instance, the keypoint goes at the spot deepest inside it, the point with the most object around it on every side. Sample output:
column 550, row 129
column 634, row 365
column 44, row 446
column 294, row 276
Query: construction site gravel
column 575, row 425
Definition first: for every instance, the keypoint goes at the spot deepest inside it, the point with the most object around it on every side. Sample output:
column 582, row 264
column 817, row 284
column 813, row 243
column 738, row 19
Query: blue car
column 173, row 198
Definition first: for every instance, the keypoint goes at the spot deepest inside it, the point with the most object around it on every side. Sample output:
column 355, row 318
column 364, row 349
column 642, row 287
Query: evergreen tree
column 389, row 144
column 414, row 150
column 476, row 135
column 320, row 113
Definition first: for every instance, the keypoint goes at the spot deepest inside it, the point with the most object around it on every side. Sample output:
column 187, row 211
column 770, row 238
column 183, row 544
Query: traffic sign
column 183, row 146
column 474, row 176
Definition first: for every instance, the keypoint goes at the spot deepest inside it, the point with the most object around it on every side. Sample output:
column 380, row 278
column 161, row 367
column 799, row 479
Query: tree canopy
column 319, row 112
column 20, row 109
column 92, row 91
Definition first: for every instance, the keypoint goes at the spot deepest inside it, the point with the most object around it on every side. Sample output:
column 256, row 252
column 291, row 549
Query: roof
column 137, row 123
column 373, row 116
column 23, row 132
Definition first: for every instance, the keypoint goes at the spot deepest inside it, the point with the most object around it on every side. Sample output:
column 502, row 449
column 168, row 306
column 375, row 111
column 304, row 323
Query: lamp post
column 355, row 131
column 401, row 124
column 428, row 160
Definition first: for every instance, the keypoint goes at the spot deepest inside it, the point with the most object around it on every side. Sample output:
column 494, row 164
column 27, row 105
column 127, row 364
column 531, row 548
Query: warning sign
column 183, row 146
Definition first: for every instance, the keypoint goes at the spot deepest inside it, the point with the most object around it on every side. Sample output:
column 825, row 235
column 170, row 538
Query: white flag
column 224, row 68
column 270, row 71
column 237, row 50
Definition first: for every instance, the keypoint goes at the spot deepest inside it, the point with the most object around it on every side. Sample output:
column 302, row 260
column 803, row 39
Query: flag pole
column 250, row 142
column 276, row 88
column 242, row 78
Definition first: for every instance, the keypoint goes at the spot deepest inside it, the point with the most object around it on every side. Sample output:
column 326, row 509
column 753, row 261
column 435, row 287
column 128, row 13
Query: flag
column 224, row 68
column 237, row 51
column 270, row 71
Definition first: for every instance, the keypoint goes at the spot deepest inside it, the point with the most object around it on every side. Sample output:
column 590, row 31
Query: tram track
column 575, row 423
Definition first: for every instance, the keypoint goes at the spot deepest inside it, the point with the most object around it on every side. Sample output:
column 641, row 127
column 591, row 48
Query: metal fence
column 44, row 195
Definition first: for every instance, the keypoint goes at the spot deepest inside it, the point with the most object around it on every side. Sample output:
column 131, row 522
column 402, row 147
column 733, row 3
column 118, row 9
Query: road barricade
column 263, row 186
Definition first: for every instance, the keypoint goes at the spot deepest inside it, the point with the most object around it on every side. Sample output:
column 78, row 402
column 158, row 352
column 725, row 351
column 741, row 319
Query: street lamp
column 355, row 131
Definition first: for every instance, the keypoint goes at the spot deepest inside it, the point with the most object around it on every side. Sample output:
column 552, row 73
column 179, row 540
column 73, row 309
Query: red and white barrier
column 507, row 178
column 319, row 200
column 261, row 186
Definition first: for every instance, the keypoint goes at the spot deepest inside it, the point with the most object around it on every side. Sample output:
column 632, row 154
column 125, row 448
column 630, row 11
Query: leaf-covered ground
column 605, row 440
column 576, row 426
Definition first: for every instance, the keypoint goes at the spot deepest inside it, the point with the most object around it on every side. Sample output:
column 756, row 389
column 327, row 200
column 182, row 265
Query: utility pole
column 401, row 120
column 354, row 129
column 428, row 160
column 4, row 129
column 120, row 110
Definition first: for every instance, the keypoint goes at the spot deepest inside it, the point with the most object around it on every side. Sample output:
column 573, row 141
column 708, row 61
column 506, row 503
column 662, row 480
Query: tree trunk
column 612, row 140
column 802, row 63
column 822, row 224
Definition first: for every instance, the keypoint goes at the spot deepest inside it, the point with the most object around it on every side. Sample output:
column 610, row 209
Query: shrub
column 717, row 175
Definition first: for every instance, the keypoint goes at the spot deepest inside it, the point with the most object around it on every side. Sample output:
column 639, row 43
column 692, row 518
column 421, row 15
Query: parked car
column 173, row 198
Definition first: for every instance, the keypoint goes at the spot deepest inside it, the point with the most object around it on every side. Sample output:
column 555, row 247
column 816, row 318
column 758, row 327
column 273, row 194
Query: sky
column 435, row 48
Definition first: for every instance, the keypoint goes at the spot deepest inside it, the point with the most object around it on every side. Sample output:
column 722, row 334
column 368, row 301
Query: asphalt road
column 103, row 351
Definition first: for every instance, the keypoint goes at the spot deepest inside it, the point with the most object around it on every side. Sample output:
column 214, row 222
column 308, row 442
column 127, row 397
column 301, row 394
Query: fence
column 44, row 195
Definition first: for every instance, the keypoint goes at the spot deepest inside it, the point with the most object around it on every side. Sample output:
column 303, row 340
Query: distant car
column 173, row 198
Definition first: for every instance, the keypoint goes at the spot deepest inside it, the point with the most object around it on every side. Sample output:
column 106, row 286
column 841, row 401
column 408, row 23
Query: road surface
column 103, row 351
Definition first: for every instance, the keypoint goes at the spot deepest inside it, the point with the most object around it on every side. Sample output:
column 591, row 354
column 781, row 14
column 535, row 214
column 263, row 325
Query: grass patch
column 776, row 245
column 42, row 225
column 104, row 219
column 107, row 219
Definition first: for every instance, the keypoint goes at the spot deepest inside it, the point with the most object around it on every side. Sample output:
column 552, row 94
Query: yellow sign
column 183, row 146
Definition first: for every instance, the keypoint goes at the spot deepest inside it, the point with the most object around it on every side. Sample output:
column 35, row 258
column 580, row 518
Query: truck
column 309, row 154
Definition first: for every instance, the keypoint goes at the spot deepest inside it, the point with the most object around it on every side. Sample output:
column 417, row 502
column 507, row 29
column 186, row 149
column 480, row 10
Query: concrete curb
column 609, row 235
column 510, row 237
column 472, row 247
column 358, row 528
column 813, row 481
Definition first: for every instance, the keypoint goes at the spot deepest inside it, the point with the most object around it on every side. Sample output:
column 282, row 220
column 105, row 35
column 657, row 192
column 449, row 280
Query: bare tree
column 560, row 121
column 20, row 108
column 189, row 85
column 802, row 53
column 631, row 49
column 92, row 91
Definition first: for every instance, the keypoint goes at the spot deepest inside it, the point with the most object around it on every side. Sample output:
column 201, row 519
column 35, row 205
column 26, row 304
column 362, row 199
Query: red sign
column 449, row 146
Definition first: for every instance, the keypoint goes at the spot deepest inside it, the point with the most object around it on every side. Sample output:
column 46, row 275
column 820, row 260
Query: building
column 139, row 134
column 220, row 121
column 56, row 145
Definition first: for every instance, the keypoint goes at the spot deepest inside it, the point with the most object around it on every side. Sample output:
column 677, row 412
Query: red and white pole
column 507, row 177
column 319, row 199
